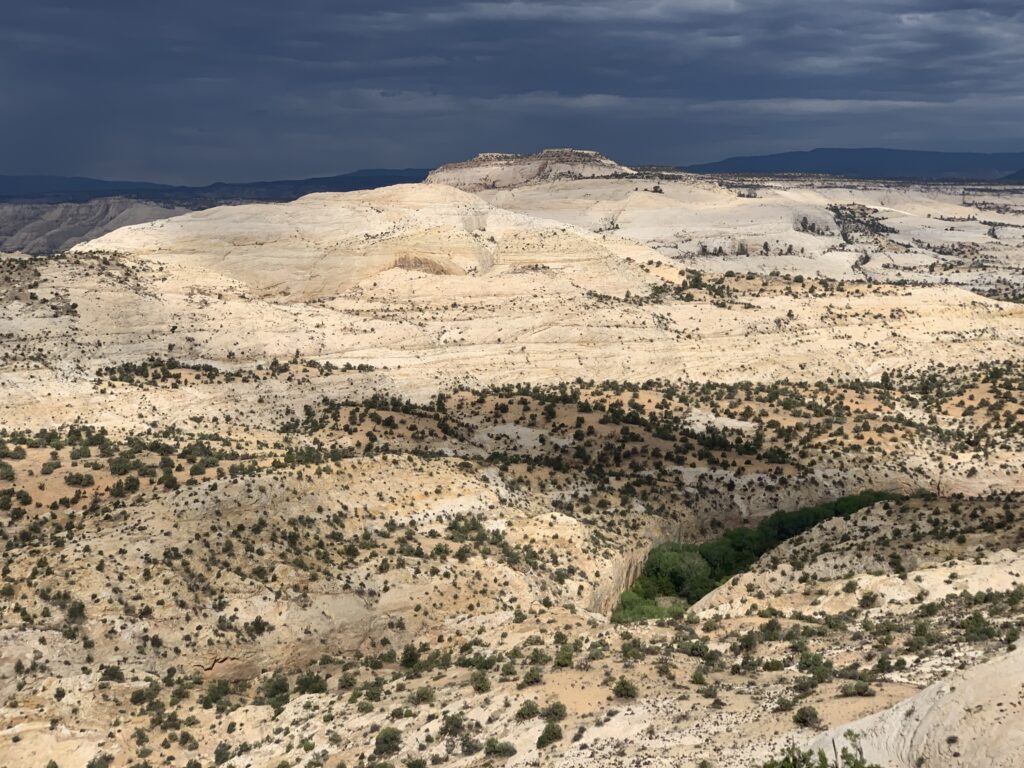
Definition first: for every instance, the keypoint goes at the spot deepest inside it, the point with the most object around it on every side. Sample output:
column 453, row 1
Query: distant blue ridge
column 878, row 163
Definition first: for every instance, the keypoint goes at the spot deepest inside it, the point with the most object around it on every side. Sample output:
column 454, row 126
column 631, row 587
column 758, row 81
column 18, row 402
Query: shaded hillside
column 47, row 214
column 43, row 228
column 77, row 189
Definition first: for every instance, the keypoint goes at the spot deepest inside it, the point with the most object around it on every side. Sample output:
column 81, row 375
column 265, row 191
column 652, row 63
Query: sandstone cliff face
column 625, row 568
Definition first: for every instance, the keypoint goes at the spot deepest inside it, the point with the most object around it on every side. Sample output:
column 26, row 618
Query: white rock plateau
column 323, row 244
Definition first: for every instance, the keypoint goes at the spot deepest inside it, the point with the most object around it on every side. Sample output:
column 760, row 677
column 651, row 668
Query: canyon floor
column 362, row 479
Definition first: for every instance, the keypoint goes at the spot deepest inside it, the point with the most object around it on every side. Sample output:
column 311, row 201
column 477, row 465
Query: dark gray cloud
column 194, row 91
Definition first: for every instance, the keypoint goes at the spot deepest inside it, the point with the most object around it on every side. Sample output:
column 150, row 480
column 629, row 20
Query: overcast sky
column 193, row 91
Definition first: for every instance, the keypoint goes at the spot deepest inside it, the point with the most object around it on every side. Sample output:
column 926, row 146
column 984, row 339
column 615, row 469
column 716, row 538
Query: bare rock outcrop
column 497, row 170
column 970, row 720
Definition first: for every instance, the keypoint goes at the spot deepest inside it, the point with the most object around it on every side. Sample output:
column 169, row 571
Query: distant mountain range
column 55, row 189
column 854, row 163
column 80, row 187
column 878, row 164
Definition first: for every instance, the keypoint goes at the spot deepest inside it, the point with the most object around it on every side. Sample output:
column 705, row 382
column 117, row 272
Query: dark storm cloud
column 193, row 91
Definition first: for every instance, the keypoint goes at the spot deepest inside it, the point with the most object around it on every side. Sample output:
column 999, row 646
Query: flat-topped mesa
column 499, row 170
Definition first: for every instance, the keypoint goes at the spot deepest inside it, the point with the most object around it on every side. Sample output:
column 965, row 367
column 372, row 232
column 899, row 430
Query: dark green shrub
column 554, row 711
column 479, row 681
column 388, row 741
column 807, row 716
column 624, row 689
column 310, row 682
column 532, row 676
column 495, row 748
column 222, row 753
column 275, row 691
column 552, row 732
column 527, row 710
